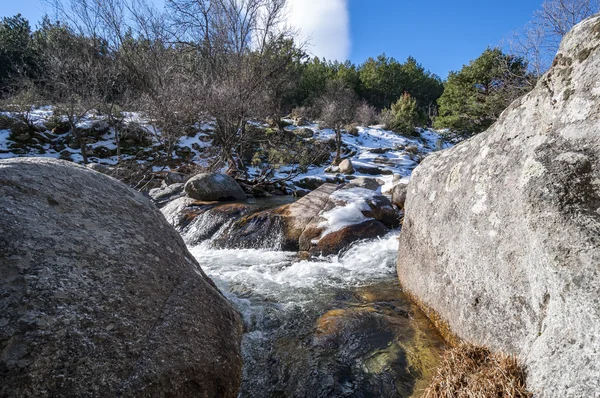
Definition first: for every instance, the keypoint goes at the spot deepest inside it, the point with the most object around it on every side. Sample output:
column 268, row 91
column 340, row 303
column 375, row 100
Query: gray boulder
column 99, row 295
column 399, row 195
column 173, row 177
column 214, row 187
column 501, row 239
column 365, row 182
column 346, row 167
column 162, row 196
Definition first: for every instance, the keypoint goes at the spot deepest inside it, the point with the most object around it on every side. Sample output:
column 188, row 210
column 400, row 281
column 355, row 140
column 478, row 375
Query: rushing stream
column 327, row 327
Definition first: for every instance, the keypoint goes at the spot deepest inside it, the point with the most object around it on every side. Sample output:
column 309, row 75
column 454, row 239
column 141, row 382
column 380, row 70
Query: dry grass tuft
column 469, row 371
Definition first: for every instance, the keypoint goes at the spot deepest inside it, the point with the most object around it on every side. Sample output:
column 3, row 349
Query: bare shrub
column 366, row 114
column 385, row 117
column 337, row 105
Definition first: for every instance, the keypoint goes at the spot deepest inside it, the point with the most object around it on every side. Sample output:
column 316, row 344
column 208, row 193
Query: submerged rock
column 501, row 235
column 334, row 242
column 214, row 187
column 99, row 295
column 367, row 342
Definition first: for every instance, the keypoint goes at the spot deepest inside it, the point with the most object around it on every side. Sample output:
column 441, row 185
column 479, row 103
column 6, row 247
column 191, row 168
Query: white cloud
column 326, row 25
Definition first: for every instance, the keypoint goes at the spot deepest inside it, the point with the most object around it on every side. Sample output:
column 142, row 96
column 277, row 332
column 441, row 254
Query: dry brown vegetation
column 470, row 371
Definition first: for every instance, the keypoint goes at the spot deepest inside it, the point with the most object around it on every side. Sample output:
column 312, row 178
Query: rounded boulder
column 99, row 295
column 214, row 187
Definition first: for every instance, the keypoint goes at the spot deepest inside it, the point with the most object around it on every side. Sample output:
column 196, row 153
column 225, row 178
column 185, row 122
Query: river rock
column 331, row 218
column 214, row 187
column 99, row 295
column 346, row 167
column 501, row 239
column 337, row 241
column 370, row 170
column 173, row 177
column 310, row 183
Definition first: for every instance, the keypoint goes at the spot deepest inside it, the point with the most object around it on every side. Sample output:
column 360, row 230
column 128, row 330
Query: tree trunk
column 338, row 147
column 80, row 139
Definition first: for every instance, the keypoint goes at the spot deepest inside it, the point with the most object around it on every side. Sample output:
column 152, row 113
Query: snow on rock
column 356, row 202
column 375, row 153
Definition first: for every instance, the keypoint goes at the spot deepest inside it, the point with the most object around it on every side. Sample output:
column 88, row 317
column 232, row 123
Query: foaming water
column 331, row 326
column 282, row 276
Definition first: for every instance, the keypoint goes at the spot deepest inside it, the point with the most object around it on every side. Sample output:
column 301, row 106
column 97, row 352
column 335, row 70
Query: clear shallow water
column 326, row 327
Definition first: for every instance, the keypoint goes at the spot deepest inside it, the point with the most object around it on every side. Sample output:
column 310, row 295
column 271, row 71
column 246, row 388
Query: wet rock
column 300, row 193
column 370, row 170
column 262, row 230
column 361, row 347
column 214, row 187
column 379, row 151
column 346, row 167
column 99, row 295
column 501, row 234
column 335, row 242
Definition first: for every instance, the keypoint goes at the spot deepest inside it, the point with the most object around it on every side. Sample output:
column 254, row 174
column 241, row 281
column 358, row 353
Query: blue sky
column 441, row 34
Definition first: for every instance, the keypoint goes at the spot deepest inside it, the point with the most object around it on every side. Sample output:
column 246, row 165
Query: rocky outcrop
column 214, row 187
column 501, row 239
column 99, row 295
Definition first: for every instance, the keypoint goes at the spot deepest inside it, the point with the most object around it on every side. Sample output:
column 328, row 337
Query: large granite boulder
column 99, row 295
column 501, row 238
column 214, row 187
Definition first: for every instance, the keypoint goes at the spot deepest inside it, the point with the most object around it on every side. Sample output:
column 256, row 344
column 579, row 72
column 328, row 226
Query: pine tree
column 475, row 96
column 405, row 115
